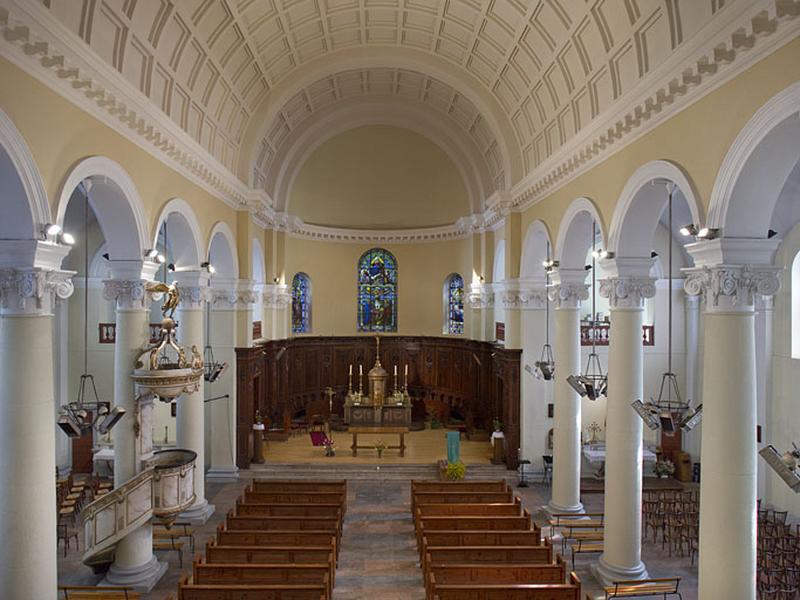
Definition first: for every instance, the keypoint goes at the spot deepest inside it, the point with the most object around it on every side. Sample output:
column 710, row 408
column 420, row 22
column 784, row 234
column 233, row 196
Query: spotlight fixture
column 784, row 465
column 275, row 280
column 771, row 234
column 545, row 367
column 708, row 233
column 50, row 230
column 106, row 256
column 171, row 267
column 161, row 259
column 68, row 239
column 69, row 426
column 687, row 230
column 208, row 267
column 151, row 253
column 592, row 383
column 662, row 413
column 653, row 254
column 601, row 254
column 111, row 418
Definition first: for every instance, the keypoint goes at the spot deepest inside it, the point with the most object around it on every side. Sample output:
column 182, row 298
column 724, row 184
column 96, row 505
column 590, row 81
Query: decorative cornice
column 276, row 295
column 568, row 295
column 627, row 292
column 739, row 40
column 30, row 292
column 519, row 294
column 480, row 296
column 129, row 294
column 732, row 288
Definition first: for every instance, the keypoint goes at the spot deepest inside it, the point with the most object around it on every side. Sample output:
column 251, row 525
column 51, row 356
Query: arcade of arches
column 441, row 174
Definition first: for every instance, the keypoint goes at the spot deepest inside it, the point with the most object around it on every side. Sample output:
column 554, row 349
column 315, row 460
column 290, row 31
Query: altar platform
column 422, row 447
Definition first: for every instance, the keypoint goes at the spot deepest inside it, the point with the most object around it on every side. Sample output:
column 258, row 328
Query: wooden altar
column 453, row 379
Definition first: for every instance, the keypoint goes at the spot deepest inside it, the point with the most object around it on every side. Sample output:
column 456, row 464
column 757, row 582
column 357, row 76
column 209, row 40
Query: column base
column 607, row 574
column 142, row 579
column 198, row 514
column 552, row 508
column 222, row 474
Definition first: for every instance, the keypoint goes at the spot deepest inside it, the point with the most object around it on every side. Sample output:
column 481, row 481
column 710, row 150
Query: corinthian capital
column 33, row 291
column 627, row 292
column 276, row 295
column 480, row 296
column 728, row 288
column 127, row 294
column 521, row 294
column 568, row 294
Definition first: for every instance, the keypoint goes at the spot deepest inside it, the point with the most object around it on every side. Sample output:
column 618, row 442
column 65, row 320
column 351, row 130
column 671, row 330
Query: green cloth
column 453, row 446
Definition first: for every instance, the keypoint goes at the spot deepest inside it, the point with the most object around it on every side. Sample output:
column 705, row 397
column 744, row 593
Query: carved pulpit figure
column 377, row 378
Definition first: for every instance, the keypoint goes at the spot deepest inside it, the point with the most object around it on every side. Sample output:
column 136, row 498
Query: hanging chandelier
column 213, row 370
column 660, row 413
column 545, row 367
column 88, row 410
column 592, row 383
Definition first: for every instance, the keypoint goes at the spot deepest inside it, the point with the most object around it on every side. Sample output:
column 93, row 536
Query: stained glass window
column 301, row 303
column 454, row 306
column 377, row 291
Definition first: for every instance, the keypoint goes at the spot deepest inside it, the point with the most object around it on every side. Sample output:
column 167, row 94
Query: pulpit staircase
column 162, row 490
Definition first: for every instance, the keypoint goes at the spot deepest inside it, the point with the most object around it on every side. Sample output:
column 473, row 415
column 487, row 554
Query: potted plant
column 455, row 471
column 330, row 447
column 497, row 424
column 664, row 468
column 380, row 446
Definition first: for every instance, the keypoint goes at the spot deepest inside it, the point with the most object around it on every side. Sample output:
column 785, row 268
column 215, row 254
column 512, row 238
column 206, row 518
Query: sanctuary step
column 393, row 472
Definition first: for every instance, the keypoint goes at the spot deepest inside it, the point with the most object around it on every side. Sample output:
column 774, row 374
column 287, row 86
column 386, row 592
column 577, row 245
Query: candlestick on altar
column 395, row 379
column 351, row 369
column 350, row 382
column 405, row 379
column 360, row 380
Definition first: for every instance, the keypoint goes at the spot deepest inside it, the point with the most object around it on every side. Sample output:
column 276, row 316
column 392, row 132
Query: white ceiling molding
column 744, row 33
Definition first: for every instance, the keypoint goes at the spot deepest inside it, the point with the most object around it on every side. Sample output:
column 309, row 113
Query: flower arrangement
column 380, row 446
column 497, row 424
column 455, row 470
column 664, row 468
column 330, row 447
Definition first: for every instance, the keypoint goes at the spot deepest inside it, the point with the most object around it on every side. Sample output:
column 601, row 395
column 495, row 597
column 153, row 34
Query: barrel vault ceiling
column 521, row 79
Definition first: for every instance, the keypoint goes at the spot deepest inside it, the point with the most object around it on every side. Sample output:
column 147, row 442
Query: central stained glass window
column 377, row 291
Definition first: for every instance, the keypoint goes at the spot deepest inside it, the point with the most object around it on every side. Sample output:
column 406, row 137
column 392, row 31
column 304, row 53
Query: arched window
column 301, row 303
column 377, row 291
column 794, row 301
column 454, row 304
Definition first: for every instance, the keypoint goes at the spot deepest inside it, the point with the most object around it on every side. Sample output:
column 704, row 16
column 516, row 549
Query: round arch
column 756, row 166
column 116, row 204
column 642, row 203
column 184, row 234
column 259, row 274
column 222, row 251
column 534, row 250
column 574, row 233
column 402, row 58
column 458, row 147
column 25, row 206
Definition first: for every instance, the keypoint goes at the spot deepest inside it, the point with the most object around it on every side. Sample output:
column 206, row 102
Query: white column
column 481, row 300
column 134, row 564
column 764, row 309
column 190, row 426
column 223, row 412
column 727, row 567
column 27, row 431
column 276, row 300
column 567, row 294
column 691, row 439
column 622, row 555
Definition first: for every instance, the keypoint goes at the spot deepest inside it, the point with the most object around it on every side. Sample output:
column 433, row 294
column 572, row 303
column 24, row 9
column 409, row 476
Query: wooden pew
column 339, row 498
column 275, row 538
column 471, row 524
column 307, row 591
column 531, row 537
column 462, row 497
column 535, row 591
column 249, row 574
column 240, row 522
column 451, row 487
column 664, row 586
column 279, row 555
column 470, row 510
column 284, row 486
column 488, row 554
column 91, row 592
column 494, row 574
column 289, row 510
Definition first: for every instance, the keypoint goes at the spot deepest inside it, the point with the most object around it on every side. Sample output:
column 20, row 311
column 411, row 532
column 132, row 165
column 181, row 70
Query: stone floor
column 378, row 559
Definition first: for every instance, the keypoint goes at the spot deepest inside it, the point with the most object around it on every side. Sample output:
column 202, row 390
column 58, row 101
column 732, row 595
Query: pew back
column 288, row 510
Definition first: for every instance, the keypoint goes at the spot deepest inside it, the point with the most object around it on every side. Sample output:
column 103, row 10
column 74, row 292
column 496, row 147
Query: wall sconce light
column 690, row 229
column 771, row 234
column 600, row 253
column 708, row 233
column 171, row 267
column 208, row 267
column 151, row 253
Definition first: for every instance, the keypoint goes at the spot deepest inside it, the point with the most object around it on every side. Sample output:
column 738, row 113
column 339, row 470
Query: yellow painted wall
column 60, row 135
column 422, row 269
column 379, row 177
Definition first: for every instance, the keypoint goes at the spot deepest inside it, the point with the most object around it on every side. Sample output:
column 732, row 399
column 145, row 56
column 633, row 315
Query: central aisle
column 378, row 556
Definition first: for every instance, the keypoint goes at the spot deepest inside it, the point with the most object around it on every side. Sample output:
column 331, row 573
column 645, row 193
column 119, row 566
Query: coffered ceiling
column 522, row 79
